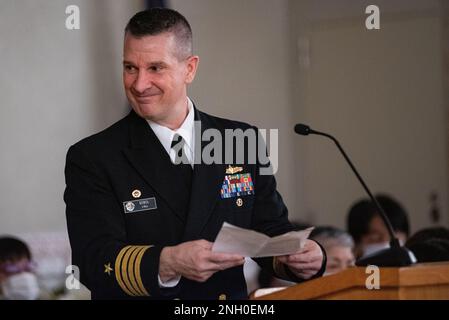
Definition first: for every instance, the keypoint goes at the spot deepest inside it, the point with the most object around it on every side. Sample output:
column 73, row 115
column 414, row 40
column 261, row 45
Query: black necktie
column 181, row 161
column 178, row 146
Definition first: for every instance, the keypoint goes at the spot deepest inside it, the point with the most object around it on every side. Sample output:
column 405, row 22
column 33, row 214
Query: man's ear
column 192, row 66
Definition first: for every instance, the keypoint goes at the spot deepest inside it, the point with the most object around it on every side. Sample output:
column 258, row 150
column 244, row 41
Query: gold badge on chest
column 136, row 194
column 232, row 170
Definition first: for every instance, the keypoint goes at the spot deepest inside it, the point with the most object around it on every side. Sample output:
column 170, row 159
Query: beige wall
column 369, row 89
column 381, row 93
column 56, row 87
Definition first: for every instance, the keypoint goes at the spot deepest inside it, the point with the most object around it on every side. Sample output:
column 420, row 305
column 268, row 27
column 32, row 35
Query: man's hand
column 194, row 260
column 306, row 262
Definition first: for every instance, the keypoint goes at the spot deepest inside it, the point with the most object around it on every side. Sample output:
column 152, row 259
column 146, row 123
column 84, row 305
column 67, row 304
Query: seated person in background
column 367, row 228
column 17, row 280
column 427, row 234
column 430, row 244
column 339, row 248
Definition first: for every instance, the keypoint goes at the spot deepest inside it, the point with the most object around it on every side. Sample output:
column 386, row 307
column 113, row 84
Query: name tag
column 140, row 205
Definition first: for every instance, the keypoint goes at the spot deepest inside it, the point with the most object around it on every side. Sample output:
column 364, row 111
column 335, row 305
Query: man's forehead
column 149, row 48
column 149, row 42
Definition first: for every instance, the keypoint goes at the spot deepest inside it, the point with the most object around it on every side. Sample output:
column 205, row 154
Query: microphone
column 395, row 256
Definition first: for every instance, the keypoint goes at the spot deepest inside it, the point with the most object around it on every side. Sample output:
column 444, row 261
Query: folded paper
column 249, row 243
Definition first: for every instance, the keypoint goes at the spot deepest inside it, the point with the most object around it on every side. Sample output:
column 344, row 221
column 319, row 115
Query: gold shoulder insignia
column 232, row 170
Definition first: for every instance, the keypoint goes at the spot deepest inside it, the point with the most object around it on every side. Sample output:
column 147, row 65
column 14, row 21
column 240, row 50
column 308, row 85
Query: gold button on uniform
column 136, row 194
column 222, row 297
column 239, row 202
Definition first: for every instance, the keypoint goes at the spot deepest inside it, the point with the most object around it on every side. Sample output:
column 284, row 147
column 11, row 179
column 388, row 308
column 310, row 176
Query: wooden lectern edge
column 435, row 273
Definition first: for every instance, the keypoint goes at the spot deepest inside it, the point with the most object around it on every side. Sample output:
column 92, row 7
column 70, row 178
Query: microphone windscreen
column 302, row 129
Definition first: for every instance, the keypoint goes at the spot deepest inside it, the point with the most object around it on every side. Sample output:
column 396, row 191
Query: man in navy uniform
column 142, row 223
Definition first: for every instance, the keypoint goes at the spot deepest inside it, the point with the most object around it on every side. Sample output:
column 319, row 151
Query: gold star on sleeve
column 108, row 269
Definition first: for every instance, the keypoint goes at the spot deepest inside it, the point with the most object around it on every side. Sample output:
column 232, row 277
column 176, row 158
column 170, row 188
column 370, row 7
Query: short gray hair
column 331, row 236
column 156, row 21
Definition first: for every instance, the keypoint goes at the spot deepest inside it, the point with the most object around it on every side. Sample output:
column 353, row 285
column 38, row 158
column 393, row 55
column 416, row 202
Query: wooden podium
column 420, row 281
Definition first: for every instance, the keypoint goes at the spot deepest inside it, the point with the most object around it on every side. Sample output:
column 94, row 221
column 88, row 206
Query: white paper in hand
column 249, row 243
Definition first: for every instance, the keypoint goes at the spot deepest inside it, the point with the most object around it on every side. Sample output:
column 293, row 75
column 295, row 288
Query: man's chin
column 146, row 110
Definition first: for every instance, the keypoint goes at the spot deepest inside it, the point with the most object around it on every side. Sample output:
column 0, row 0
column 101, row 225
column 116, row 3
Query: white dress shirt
column 165, row 136
column 186, row 131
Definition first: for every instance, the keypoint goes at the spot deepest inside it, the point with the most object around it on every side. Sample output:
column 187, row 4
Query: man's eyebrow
column 157, row 64
column 150, row 64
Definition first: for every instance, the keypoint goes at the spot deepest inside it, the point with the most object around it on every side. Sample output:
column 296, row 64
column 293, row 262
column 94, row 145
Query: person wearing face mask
column 367, row 228
column 17, row 278
column 339, row 248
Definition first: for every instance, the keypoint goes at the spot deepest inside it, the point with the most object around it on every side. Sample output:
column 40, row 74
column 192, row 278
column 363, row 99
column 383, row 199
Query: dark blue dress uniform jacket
column 118, row 252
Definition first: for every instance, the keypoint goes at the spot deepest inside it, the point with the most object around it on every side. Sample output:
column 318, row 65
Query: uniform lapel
column 206, row 184
column 149, row 158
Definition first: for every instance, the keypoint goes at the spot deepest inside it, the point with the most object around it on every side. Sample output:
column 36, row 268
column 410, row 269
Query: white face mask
column 21, row 286
column 374, row 247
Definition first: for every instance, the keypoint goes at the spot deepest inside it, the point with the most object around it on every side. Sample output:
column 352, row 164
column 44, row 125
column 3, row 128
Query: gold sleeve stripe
column 131, row 270
column 127, row 270
column 124, row 268
column 118, row 276
column 137, row 271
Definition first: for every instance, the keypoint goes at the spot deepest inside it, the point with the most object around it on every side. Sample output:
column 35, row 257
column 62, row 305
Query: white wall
column 56, row 86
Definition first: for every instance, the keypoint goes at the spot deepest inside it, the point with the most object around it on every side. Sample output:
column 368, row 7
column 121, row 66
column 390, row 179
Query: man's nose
column 142, row 82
